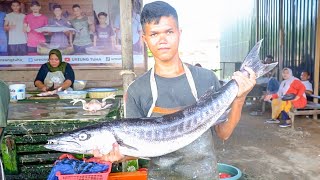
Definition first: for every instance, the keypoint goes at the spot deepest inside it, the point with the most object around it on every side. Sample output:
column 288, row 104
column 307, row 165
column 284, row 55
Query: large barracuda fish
column 156, row 136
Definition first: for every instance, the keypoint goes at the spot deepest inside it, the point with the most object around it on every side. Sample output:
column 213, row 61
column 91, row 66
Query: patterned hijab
column 285, row 84
column 62, row 66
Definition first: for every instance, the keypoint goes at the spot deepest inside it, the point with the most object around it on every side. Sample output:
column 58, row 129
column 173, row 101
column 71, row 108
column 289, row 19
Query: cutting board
column 55, row 96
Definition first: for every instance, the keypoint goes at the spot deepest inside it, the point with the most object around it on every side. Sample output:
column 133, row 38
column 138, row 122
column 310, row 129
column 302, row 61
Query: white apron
column 55, row 79
column 154, row 89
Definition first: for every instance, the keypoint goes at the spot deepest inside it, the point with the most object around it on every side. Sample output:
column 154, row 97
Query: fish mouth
column 56, row 142
column 66, row 146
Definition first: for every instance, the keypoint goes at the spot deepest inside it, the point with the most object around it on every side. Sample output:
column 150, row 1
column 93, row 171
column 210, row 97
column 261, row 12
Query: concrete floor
column 268, row 152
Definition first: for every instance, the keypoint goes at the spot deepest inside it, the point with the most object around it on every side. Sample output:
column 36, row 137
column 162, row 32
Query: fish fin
column 253, row 61
column 126, row 145
column 121, row 143
column 224, row 116
column 146, row 158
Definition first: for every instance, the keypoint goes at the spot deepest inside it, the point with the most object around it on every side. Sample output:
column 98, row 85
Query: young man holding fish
column 170, row 86
column 59, row 39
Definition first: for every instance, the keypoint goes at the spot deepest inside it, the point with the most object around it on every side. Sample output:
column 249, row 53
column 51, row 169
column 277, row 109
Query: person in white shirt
column 305, row 76
column 17, row 44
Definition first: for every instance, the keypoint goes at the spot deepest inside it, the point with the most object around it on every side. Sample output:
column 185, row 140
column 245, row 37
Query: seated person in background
column 305, row 76
column 272, row 84
column 289, row 85
column 266, row 84
column 263, row 80
column 55, row 73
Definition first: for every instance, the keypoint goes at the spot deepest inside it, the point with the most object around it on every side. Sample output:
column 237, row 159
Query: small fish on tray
column 50, row 93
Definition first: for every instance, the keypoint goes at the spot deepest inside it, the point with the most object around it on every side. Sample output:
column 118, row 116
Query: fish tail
column 253, row 61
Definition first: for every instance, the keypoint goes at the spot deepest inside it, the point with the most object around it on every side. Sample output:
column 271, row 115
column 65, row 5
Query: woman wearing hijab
column 55, row 73
column 290, row 86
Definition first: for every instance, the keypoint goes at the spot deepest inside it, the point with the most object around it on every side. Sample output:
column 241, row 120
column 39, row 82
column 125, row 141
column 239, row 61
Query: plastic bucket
column 233, row 171
column 17, row 92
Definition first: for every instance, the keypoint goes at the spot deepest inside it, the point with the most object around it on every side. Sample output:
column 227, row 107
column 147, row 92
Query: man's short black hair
column 75, row 6
column 269, row 56
column 102, row 14
column 152, row 12
column 56, row 6
column 15, row 1
column 35, row 3
column 307, row 72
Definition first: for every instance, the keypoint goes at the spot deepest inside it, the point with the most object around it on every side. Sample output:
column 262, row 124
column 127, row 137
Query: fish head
column 253, row 61
column 82, row 141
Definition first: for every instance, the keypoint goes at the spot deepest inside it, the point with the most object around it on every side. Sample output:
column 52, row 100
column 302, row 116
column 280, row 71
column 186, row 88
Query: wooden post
column 127, row 60
column 126, row 43
column 281, row 40
column 317, row 61
column 257, row 21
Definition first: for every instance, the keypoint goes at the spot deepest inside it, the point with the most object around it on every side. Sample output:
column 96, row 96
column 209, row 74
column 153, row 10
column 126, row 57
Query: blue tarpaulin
column 75, row 166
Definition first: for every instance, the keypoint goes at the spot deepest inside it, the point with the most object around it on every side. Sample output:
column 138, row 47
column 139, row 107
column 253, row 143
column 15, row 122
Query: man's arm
column 6, row 25
column 26, row 26
column 224, row 130
column 91, row 25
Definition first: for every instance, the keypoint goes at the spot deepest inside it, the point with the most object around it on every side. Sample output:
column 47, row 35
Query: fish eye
column 83, row 136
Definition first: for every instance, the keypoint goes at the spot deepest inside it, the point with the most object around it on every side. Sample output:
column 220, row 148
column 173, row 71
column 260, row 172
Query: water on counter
column 59, row 109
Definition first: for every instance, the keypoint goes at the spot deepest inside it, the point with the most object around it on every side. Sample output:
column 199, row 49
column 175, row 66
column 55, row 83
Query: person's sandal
column 285, row 125
column 273, row 121
column 255, row 113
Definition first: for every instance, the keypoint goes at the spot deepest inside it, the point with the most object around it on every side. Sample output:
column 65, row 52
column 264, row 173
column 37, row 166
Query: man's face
column 162, row 39
column 77, row 11
column 304, row 76
column 35, row 9
column 102, row 19
column 15, row 7
column 57, row 12
column 267, row 60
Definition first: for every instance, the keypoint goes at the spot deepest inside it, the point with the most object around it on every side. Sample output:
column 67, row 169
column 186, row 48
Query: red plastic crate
column 93, row 176
column 138, row 175
column 141, row 174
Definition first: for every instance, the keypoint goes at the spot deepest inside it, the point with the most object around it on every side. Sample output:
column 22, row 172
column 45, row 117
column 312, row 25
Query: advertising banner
column 87, row 32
